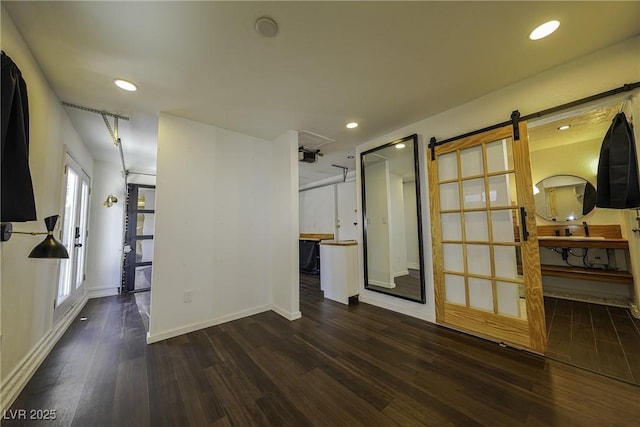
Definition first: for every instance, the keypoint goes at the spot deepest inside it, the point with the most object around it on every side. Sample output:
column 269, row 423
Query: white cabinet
column 339, row 269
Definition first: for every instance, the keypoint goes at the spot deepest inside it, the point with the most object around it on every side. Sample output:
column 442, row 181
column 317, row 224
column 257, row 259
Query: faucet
column 586, row 228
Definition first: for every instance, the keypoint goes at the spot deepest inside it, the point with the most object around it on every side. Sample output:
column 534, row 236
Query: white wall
column 594, row 73
column 318, row 210
column 411, row 224
column 104, row 256
column 379, row 249
column 283, row 248
column 29, row 285
column 215, row 197
column 397, row 227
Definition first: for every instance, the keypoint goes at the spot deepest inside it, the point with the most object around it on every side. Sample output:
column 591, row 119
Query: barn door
column 486, row 260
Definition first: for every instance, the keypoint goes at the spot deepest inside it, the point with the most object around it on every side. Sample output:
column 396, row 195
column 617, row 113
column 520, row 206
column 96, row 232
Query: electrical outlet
column 187, row 296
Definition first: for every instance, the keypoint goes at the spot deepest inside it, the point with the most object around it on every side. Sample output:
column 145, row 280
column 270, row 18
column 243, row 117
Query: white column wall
column 215, row 196
column 284, row 261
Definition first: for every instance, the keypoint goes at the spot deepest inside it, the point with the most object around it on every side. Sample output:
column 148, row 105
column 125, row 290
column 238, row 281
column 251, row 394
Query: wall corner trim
column 286, row 314
column 16, row 381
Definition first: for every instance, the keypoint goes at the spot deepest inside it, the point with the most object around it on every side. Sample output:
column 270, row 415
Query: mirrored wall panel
column 391, row 217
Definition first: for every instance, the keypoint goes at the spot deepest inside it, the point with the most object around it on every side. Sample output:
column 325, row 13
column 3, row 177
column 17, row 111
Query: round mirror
column 564, row 198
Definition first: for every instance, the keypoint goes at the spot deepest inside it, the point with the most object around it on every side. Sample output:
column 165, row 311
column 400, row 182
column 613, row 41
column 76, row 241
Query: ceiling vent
column 312, row 141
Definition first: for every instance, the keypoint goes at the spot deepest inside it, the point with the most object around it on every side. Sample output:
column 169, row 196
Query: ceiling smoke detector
column 266, row 27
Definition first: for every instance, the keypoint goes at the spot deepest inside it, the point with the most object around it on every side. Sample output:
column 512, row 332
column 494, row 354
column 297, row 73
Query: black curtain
column 17, row 202
column 618, row 186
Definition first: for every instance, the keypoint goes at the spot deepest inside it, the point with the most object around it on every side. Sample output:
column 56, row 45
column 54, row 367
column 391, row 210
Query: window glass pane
column 473, row 194
column 451, row 227
column 504, row 225
column 509, row 301
column 475, row 225
column 447, row 166
column 499, row 155
column 452, row 254
column 145, row 224
column 478, row 260
column 146, row 198
column 454, row 289
column 449, row 196
column 480, row 294
column 143, row 277
column 502, row 190
column 471, row 161
column 507, row 259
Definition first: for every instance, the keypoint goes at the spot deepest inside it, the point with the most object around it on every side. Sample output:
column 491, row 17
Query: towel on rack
column 618, row 180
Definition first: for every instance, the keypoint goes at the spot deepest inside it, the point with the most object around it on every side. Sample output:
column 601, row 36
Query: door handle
column 77, row 245
column 523, row 222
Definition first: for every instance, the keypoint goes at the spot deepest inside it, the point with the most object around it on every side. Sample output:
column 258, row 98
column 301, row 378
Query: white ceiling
column 382, row 64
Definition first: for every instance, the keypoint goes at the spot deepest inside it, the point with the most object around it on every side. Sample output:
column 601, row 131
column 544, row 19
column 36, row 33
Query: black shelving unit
column 138, row 242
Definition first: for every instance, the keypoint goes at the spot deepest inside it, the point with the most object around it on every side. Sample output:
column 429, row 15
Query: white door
column 347, row 215
column 73, row 235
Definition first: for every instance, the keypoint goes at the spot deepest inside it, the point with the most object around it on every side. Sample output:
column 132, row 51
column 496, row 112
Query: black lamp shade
column 50, row 247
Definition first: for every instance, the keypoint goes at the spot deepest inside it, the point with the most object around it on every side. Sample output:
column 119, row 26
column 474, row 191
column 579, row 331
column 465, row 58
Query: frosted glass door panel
column 473, row 194
column 502, row 190
column 449, row 196
column 478, row 260
column 454, row 289
column 453, row 260
column 448, row 167
column 499, row 156
column 476, row 228
column 502, row 225
column 506, row 261
column 508, row 299
column 451, row 226
column 471, row 161
column 480, row 294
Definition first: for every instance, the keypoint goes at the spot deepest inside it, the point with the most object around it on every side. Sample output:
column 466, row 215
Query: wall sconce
column 111, row 199
column 48, row 248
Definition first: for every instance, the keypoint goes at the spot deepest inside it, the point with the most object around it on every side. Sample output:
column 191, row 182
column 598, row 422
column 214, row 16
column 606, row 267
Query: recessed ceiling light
column 126, row 85
column 544, row 30
column 352, row 125
column 401, row 145
column 564, row 127
column 349, row 157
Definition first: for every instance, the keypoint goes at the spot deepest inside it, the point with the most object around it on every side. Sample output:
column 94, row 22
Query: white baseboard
column 16, row 381
column 102, row 291
column 382, row 284
column 399, row 306
column 413, row 265
column 635, row 311
column 401, row 273
column 160, row 336
column 286, row 314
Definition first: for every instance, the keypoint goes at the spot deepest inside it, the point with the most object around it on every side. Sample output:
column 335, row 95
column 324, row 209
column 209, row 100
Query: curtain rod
column 624, row 88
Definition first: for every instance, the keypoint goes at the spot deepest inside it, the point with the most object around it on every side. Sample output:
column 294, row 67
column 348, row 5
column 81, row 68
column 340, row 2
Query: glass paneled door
column 486, row 260
column 74, row 232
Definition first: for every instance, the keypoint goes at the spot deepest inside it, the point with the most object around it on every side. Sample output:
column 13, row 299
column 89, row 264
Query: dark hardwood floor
column 407, row 286
column 593, row 336
column 337, row 366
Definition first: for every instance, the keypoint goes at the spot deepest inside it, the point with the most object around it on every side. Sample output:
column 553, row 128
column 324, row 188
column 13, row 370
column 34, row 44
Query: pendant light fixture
column 48, row 248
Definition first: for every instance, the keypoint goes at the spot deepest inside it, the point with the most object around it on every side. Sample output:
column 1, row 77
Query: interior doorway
column 587, row 283
column 138, row 242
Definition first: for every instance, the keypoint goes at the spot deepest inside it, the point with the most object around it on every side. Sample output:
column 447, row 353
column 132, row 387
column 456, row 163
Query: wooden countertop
column 560, row 242
column 316, row 236
column 339, row 242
